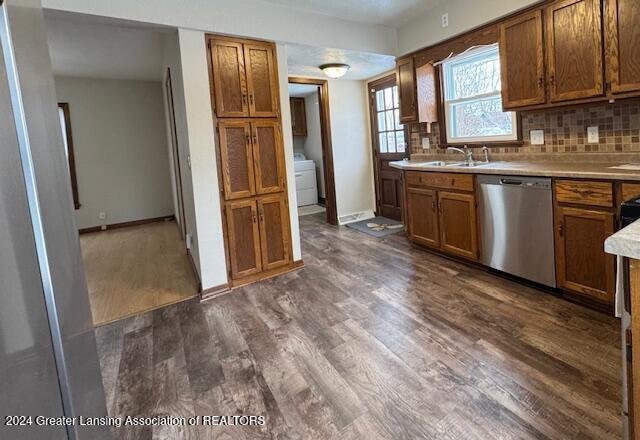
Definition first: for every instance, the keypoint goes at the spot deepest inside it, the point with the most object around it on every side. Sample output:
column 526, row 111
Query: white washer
column 306, row 185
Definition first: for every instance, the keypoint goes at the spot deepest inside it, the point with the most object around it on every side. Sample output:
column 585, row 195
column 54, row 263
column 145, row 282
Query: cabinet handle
column 255, row 218
column 255, row 139
column 261, row 217
column 244, row 98
column 561, row 229
column 248, row 139
column 433, row 206
column 552, row 80
column 540, row 82
column 251, row 98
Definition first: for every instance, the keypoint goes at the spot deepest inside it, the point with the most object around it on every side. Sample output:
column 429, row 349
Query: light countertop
column 625, row 242
column 583, row 170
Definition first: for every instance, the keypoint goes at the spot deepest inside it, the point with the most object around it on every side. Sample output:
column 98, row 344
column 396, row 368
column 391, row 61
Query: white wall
column 463, row 16
column 313, row 141
column 119, row 140
column 256, row 19
column 350, row 138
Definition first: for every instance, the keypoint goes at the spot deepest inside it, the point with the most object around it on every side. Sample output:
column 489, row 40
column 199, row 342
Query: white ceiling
column 302, row 90
column 89, row 47
column 393, row 13
column 304, row 61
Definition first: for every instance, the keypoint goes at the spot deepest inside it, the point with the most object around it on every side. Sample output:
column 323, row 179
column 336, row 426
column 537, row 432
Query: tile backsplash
column 565, row 132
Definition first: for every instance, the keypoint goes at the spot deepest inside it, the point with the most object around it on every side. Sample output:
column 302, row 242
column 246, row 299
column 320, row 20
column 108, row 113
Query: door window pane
column 383, row 142
column 388, row 98
column 381, row 124
column 396, row 104
column 391, row 141
column 389, row 117
column 400, row 145
column 379, row 100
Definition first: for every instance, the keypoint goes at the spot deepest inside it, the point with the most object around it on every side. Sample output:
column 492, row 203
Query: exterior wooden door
column 244, row 238
column 582, row 265
column 230, row 88
column 458, row 233
column 262, row 83
column 622, row 45
column 422, row 216
column 268, row 156
column 236, row 157
column 406, row 79
column 522, row 61
column 274, row 231
column 389, row 144
column 574, row 49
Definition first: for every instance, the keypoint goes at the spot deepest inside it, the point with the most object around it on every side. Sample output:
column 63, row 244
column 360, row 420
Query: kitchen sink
column 466, row 164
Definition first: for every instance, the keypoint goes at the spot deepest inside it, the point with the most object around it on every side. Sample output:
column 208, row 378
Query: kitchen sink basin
column 466, row 164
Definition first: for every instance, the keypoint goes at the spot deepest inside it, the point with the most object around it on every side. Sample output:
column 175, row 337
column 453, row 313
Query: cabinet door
column 522, row 61
column 427, row 94
column 244, row 238
column 274, row 231
column 582, row 266
column 298, row 117
column 236, row 159
column 227, row 61
column 622, row 45
column 574, row 49
column 406, row 79
column 422, row 216
column 268, row 156
column 262, row 82
column 458, row 227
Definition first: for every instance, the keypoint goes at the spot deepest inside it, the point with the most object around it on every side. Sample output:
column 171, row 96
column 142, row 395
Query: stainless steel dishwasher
column 516, row 216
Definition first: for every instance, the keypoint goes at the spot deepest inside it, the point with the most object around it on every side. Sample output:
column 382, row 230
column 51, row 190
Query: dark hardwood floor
column 372, row 339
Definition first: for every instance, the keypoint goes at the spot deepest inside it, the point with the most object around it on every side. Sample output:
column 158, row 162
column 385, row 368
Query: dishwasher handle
column 513, row 182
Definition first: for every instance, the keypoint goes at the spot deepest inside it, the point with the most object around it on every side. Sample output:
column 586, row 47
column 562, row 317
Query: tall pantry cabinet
column 250, row 150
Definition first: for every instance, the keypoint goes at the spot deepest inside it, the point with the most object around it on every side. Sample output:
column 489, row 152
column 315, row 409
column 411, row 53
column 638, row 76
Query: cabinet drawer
column 463, row 182
column 630, row 190
column 585, row 193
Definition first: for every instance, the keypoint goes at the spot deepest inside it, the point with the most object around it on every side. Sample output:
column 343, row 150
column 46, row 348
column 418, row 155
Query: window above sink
column 472, row 98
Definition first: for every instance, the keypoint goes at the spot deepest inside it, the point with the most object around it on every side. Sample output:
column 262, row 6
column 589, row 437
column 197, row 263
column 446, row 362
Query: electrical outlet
column 445, row 20
column 102, row 215
column 537, row 137
column 593, row 135
column 426, row 143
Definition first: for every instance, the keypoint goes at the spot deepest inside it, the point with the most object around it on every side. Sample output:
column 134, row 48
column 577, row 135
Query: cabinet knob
column 560, row 229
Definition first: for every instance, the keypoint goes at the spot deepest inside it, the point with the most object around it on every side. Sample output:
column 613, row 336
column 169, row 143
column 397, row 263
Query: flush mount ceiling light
column 334, row 70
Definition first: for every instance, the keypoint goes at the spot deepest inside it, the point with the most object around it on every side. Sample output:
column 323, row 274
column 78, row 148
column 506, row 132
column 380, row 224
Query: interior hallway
column 402, row 344
column 135, row 269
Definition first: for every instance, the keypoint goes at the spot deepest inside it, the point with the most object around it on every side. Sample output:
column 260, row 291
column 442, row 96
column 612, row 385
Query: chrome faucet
column 468, row 154
column 485, row 151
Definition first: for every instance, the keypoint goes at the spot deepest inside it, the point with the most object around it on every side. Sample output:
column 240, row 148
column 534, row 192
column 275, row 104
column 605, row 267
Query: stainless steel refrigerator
column 48, row 356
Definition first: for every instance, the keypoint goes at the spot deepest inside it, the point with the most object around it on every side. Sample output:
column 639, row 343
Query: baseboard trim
column 214, row 292
column 145, row 221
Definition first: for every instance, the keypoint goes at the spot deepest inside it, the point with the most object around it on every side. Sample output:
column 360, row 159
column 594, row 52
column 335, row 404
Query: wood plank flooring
column 134, row 269
column 373, row 339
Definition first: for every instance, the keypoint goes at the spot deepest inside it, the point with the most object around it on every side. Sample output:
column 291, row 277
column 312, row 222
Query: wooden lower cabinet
column 422, row 216
column 582, row 266
column 458, row 226
column 274, row 231
column 258, row 232
column 445, row 218
column 244, row 238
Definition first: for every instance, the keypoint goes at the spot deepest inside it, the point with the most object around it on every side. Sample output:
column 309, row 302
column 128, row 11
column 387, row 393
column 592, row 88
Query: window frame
column 64, row 106
column 445, row 105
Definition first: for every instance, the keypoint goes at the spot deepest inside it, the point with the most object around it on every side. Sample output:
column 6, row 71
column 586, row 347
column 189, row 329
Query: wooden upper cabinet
column 298, row 117
column 274, row 231
column 406, row 81
column 622, row 45
column 262, row 80
column 458, row 227
column 236, row 158
column 522, row 61
column 574, row 50
column 268, row 156
column 582, row 266
column 244, row 238
column 230, row 88
column 422, row 216
column 427, row 93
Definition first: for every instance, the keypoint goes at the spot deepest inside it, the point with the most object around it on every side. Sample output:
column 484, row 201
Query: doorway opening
column 118, row 124
column 313, row 157
column 389, row 143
